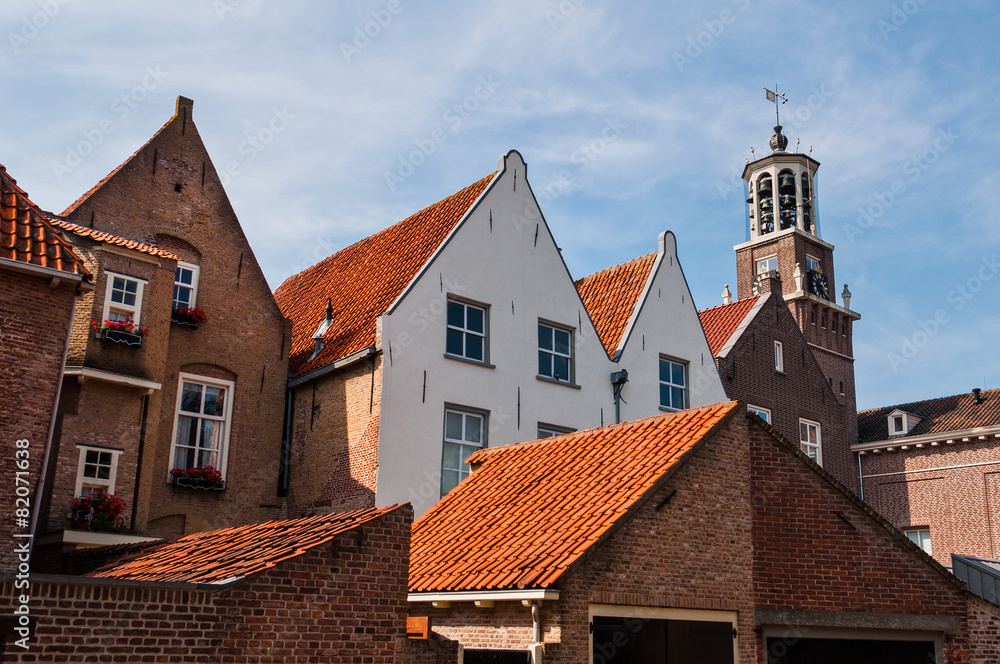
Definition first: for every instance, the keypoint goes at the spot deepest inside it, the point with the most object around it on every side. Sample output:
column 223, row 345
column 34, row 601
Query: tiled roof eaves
column 111, row 238
column 640, row 302
column 604, row 294
column 939, row 416
column 719, row 324
column 734, row 337
column 898, row 535
column 954, row 436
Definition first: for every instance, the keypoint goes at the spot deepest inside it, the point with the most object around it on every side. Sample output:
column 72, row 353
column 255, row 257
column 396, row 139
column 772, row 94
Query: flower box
column 189, row 316
column 120, row 331
column 120, row 337
column 205, row 478
column 98, row 512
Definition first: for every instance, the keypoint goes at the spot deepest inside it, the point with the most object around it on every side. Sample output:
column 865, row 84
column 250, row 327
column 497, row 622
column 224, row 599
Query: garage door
column 656, row 641
column 855, row 651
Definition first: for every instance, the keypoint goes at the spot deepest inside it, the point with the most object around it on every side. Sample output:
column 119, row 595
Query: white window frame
column 465, row 331
column 685, row 387
column 812, row 450
column 765, row 413
column 767, row 261
column 819, row 265
column 902, row 425
column 132, row 311
column 921, row 536
column 227, row 419
column 108, row 485
column 779, row 357
column 465, row 412
column 193, row 287
column 553, row 353
column 551, row 430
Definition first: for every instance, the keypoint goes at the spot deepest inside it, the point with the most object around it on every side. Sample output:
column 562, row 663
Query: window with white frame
column 464, row 434
column 898, row 424
column 812, row 264
column 466, row 336
column 123, row 298
column 186, row 285
column 97, row 470
column 764, row 413
column 550, row 430
column 779, row 357
column 201, row 422
column 769, row 264
column 921, row 537
column 555, row 352
column 673, row 384
column 810, row 440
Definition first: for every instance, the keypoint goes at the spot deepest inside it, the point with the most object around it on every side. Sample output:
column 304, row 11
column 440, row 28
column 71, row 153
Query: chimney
column 321, row 330
column 978, row 398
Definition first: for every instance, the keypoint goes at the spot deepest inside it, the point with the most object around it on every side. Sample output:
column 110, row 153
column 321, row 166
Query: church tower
column 784, row 241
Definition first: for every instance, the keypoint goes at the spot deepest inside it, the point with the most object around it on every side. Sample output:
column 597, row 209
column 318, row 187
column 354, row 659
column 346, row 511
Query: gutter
column 530, row 595
column 51, row 272
column 83, row 373
column 947, row 437
column 333, row 366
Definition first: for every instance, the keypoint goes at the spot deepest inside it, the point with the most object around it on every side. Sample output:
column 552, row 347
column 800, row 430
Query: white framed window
column 555, row 352
column 921, row 537
column 810, row 440
column 467, row 336
column 123, row 297
column 764, row 413
column 186, row 285
column 898, row 424
column 769, row 264
column 812, row 263
column 464, row 434
column 673, row 384
column 202, row 421
column 97, row 470
column 779, row 357
column 551, row 430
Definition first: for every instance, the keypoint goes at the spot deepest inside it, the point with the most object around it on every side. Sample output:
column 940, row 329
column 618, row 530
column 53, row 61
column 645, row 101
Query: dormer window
column 901, row 422
column 898, row 425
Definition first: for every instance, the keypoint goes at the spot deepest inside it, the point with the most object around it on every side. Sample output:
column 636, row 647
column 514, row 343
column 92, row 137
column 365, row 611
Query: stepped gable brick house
column 334, row 587
column 931, row 467
column 41, row 281
column 191, row 371
column 762, row 359
column 460, row 328
column 701, row 536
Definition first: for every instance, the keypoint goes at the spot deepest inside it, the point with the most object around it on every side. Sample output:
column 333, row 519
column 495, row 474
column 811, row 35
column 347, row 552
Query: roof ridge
column 982, row 393
column 729, row 304
column 615, row 267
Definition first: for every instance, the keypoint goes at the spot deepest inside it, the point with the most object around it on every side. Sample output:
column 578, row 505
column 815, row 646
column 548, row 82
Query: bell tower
column 783, row 224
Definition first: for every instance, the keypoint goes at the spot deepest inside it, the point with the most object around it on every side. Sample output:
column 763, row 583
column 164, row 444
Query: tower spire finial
column 775, row 96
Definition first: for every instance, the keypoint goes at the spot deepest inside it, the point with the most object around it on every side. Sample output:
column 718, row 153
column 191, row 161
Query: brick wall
column 816, row 550
column 960, row 505
column 339, row 602
column 790, row 249
column 984, row 632
column 34, row 324
column 335, row 440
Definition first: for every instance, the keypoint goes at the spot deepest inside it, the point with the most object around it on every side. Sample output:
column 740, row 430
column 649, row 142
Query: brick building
column 41, row 280
column 328, row 588
column 932, row 468
column 460, row 328
column 701, row 535
column 193, row 376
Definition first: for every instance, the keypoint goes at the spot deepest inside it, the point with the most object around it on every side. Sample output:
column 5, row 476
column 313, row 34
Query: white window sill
column 467, row 360
column 546, row 379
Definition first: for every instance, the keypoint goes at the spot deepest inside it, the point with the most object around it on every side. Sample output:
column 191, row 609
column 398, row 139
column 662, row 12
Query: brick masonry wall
column 801, row 391
column 339, row 602
column 984, row 632
column 34, row 324
column 790, row 249
column 816, row 550
column 692, row 553
column 335, row 440
column 169, row 194
column 961, row 506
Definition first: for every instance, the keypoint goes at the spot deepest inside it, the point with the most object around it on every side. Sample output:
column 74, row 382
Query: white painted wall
column 503, row 255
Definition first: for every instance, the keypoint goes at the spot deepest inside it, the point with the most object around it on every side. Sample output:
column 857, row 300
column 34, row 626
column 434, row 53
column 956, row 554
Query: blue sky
column 334, row 120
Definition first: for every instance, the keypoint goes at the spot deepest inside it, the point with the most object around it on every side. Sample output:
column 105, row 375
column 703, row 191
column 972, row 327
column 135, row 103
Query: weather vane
column 775, row 96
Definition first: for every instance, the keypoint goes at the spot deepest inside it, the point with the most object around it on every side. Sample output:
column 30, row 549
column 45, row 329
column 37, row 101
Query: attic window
column 898, row 424
column 177, row 187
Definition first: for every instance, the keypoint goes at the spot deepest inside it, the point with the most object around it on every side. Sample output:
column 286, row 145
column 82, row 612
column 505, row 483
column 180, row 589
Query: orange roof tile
column 102, row 236
column 611, row 296
column 219, row 555
column 720, row 322
column 940, row 415
column 27, row 234
column 530, row 511
column 361, row 281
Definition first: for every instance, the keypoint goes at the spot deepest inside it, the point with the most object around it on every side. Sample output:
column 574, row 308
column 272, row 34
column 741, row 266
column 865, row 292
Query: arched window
column 786, row 198
column 807, row 205
column 765, row 204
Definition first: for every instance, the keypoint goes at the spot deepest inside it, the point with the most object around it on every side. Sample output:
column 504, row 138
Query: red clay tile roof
column 218, row 555
column 117, row 240
column 27, row 234
column 611, row 296
column 720, row 322
column 940, row 415
column 363, row 280
column 529, row 511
